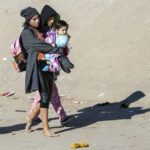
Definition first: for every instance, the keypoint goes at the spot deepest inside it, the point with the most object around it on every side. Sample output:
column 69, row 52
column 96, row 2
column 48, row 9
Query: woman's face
column 35, row 21
column 50, row 21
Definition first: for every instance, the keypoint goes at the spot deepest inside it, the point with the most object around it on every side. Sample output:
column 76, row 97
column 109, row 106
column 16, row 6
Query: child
column 57, row 38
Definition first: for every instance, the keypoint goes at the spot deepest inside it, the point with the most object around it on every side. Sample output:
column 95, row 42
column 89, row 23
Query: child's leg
column 36, row 100
column 55, row 100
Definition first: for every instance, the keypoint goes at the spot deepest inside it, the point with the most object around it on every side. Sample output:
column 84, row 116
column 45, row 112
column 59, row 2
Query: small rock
column 122, row 135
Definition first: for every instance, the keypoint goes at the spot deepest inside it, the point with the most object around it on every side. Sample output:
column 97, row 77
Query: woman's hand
column 43, row 58
column 53, row 45
column 48, row 62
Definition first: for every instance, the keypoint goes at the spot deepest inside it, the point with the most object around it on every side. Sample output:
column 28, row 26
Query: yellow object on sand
column 77, row 145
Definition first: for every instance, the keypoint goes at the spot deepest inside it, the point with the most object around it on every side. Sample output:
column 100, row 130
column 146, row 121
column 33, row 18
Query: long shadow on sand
column 99, row 112
column 108, row 111
column 18, row 127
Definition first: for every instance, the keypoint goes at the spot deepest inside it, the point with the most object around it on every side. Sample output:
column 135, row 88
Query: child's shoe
column 67, row 120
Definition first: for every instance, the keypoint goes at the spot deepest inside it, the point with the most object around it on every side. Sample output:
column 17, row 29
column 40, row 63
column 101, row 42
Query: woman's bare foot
column 28, row 125
column 49, row 133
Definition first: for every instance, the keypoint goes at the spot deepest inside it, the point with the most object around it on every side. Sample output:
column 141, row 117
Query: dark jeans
column 45, row 82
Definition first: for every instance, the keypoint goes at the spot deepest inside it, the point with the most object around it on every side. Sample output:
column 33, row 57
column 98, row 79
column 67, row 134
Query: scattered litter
column 20, row 111
column 101, row 94
column 4, row 94
column 15, row 98
column 4, row 58
column 70, row 77
column 62, row 96
column 7, row 94
column 10, row 93
column 77, row 102
column 130, row 111
column 79, row 145
column 61, row 78
column 31, row 98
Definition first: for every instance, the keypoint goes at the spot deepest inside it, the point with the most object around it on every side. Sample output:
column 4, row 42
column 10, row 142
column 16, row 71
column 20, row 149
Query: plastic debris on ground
column 62, row 96
column 77, row 102
column 70, row 77
column 7, row 94
column 79, row 145
column 101, row 94
column 61, row 78
column 20, row 110
column 4, row 94
column 31, row 98
column 4, row 58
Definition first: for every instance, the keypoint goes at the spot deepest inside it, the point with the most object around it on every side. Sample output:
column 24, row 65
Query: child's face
column 62, row 31
column 50, row 21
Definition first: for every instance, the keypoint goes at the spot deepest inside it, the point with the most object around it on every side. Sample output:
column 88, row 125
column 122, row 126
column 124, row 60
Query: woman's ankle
column 46, row 130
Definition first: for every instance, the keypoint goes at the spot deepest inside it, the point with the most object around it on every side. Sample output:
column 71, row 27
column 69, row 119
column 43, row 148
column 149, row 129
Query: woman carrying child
column 36, row 79
column 49, row 17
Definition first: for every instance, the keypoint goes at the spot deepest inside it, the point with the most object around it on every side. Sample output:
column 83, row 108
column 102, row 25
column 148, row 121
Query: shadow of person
column 99, row 112
column 132, row 98
column 18, row 127
column 13, row 128
column 107, row 112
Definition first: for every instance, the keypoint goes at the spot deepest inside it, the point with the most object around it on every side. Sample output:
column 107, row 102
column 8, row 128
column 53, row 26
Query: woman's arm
column 30, row 41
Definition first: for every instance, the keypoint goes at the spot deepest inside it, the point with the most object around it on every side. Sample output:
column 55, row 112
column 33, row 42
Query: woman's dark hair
column 60, row 24
column 26, row 24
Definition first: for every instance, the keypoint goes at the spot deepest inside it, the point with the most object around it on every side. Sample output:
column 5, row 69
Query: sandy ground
column 110, row 40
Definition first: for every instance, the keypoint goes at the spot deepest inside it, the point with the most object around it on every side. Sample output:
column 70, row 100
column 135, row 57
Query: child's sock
column 46, row 68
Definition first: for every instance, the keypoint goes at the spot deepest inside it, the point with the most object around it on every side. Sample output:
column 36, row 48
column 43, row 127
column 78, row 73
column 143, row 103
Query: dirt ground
column 110, row 50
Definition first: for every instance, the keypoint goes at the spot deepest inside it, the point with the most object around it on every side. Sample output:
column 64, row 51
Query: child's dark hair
column 60, row 24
